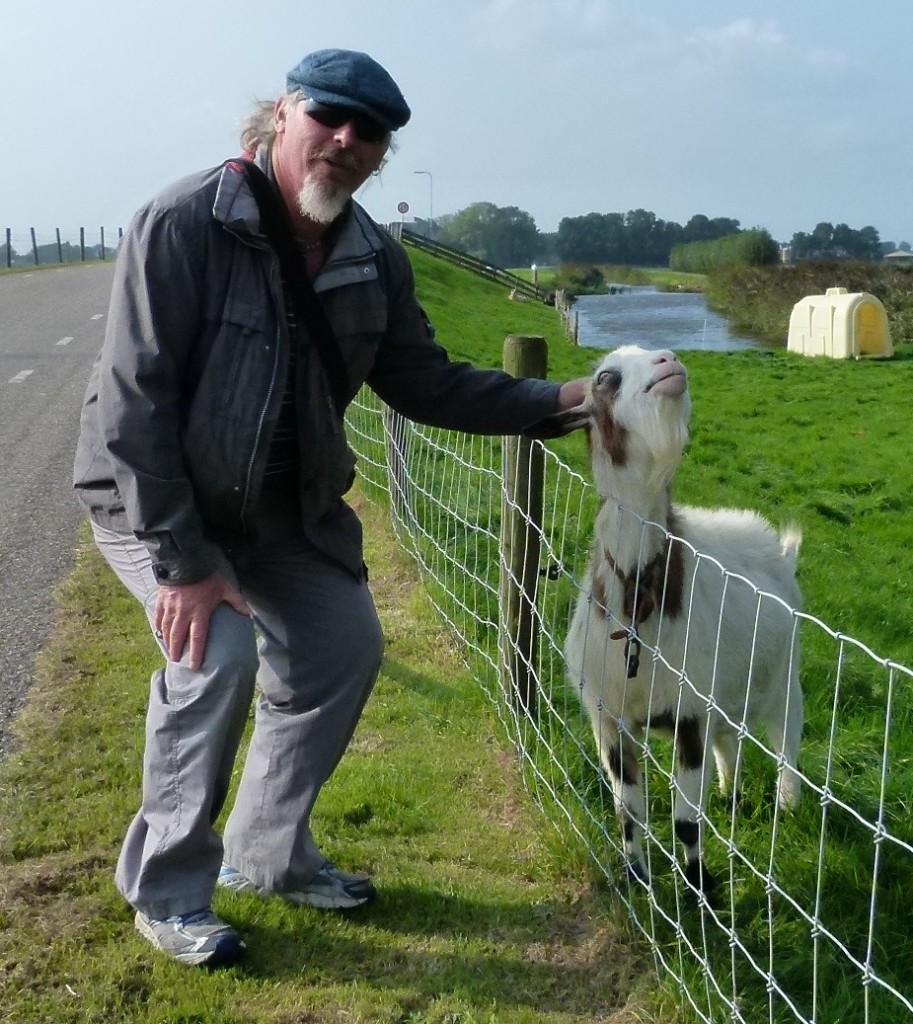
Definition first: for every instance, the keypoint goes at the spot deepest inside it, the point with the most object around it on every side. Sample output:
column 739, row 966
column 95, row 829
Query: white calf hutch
column 840, row 324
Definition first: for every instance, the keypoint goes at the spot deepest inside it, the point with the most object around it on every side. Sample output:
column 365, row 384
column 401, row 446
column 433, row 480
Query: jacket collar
column 357, row 236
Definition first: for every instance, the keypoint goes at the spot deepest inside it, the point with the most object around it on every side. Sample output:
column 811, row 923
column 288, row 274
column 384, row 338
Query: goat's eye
column 610, row 378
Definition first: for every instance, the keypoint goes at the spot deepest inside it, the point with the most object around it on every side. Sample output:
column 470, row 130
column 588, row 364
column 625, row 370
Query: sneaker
column 199, row 938
column 329, row 889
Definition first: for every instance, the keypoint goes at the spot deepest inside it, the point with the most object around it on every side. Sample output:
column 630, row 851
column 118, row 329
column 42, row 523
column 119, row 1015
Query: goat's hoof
column 698, row 877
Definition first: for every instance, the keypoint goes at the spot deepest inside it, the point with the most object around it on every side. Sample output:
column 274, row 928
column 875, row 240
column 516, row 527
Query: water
column 641, row 315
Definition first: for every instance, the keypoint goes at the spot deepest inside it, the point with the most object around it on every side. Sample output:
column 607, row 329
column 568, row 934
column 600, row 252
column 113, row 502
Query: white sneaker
column 329, row 889
column 199, row 938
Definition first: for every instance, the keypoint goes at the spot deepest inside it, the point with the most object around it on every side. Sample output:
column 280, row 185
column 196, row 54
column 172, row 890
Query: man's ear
column 280, row 114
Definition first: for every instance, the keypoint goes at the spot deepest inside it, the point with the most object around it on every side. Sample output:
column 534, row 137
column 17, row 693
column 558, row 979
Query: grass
column 819, row 442
column 485, row 914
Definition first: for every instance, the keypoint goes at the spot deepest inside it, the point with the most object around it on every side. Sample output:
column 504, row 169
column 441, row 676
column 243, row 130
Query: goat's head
column 639, row 411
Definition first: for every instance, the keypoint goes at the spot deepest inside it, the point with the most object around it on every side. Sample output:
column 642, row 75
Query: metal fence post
column 521, row 525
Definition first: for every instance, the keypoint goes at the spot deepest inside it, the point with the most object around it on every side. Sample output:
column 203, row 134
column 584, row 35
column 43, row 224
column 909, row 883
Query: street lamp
column 430, row 202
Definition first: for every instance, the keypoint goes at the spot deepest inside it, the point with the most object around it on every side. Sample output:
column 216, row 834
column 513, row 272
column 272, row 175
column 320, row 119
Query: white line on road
column 20, row 377
column 64, row 341
column 98, row 316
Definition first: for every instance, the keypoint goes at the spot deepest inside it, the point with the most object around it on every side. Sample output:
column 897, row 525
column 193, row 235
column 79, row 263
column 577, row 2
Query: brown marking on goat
column 690, row 746
column 612, row 434
column 623, row 765
column 663, row 721
column 660, row 581
column 597, row 589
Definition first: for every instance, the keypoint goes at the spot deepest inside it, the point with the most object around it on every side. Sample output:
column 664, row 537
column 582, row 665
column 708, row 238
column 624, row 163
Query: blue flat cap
column 347, row 78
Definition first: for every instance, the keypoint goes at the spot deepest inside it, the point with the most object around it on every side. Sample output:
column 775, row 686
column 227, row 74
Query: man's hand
column 183, row 612
column 573, row 394
column 573, row 412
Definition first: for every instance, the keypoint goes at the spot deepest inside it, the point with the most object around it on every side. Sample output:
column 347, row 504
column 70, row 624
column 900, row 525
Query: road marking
column 98, row 316
column 20, row 377
column 64, row 341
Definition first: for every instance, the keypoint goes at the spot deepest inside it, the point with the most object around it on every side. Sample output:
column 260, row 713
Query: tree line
column 508, row 237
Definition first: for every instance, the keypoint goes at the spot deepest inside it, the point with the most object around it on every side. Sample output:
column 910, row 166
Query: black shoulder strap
column 276, row 226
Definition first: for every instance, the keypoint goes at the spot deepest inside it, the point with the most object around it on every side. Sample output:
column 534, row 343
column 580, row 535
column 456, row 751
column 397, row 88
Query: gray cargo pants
column 314, row 646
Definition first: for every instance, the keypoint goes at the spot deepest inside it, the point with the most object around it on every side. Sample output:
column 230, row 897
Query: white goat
column 664, row 638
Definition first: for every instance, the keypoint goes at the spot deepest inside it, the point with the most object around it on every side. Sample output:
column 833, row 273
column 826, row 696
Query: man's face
column 320, row 166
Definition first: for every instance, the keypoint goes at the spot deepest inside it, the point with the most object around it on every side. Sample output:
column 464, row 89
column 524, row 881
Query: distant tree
column 641, row 227
column 868, row 244
column 697, row 229
column 723, row 226
column 505, row 236
column 615, row 239
column 637, row 237
column 842, row 242
column 701, row 228
column 585, row 239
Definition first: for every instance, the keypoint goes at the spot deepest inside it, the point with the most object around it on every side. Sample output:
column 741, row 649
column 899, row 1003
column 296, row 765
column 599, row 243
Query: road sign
column 403, row 207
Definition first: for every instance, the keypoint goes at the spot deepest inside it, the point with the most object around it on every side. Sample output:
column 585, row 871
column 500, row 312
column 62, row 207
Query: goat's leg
column 620, row 760
column 785, row 731
column 695, row 769
column 725, row 753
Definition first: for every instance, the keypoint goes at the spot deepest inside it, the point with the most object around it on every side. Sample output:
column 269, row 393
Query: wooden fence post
column 521, row 524
column 396, row 445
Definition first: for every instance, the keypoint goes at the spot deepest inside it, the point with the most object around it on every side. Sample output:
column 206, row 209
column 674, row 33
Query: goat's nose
column 664, row 357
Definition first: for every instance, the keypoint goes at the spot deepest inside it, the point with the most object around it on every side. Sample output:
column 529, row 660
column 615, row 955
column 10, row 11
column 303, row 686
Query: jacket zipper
column 269, row 393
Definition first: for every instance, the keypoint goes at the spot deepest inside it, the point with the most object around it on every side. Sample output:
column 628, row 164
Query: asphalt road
column 51, row 326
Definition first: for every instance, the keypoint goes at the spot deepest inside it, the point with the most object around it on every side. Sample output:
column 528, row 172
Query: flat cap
column 348, row 78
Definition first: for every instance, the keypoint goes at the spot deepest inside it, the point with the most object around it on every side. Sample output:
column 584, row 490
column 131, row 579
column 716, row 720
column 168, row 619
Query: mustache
column 338, row 156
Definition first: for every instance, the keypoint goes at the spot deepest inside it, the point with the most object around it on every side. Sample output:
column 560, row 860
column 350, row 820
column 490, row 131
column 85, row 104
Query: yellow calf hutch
column 840, row 324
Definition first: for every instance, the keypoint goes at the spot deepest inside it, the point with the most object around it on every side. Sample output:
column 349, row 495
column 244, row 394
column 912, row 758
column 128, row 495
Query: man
column 212, row 461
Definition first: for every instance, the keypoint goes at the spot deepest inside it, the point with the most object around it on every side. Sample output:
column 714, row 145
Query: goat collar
column 642, row 587
column 646, row 586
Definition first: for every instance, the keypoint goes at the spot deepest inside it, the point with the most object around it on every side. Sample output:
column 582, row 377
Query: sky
column 777, row 113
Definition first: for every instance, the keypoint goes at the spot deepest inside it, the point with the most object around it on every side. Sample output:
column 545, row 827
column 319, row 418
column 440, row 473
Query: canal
column 641, row 315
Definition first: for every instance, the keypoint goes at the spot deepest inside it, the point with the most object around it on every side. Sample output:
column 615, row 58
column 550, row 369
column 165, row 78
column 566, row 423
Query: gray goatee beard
column 322, row 203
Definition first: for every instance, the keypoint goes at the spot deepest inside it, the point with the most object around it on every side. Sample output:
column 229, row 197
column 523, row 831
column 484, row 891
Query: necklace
column 307, row 247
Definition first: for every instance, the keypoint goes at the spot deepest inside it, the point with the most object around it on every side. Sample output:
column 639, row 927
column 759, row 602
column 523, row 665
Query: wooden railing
column 473, row 263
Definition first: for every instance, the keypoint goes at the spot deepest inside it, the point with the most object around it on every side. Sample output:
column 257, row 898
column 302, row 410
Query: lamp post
column 430, row 202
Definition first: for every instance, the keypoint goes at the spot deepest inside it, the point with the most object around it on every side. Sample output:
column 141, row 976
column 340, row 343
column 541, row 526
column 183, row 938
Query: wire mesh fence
column 810, row 922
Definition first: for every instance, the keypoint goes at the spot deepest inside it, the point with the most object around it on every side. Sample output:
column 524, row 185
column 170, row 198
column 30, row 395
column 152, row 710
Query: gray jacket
column 185, row 394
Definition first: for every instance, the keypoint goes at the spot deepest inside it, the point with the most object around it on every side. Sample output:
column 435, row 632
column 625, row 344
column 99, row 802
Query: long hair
column 259, row 127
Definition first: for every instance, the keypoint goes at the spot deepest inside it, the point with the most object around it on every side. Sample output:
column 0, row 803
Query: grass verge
column 482, row 915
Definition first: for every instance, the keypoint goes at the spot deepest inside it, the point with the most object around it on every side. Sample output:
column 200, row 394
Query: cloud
column 735, row 39
column 503, row 24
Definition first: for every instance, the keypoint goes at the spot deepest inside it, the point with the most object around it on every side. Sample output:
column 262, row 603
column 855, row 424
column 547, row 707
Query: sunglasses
column 366, row 128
